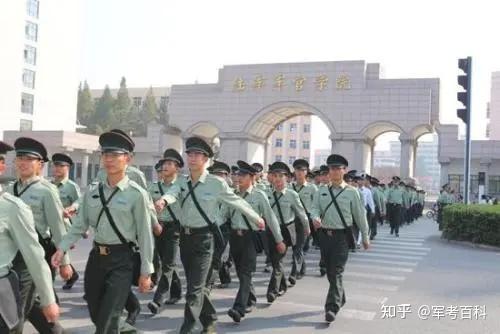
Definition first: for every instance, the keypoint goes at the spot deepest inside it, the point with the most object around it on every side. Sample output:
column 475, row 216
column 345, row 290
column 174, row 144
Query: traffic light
column 464, row 80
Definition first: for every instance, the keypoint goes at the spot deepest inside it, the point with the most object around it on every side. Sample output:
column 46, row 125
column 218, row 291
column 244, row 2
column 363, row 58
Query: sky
column 165, row 42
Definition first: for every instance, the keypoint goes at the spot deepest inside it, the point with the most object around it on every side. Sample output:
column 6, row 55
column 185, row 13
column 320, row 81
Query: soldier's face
column 245, row 180
column 196, row 160
column 2, row 166
column 300, row 174
column 27, row 166
column 60, row 171
column 336, row 173
column 169, row 169
column 279, row 180
column 115, row 163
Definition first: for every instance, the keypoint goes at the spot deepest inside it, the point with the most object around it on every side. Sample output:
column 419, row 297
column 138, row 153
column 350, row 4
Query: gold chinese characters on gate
column 299, row 83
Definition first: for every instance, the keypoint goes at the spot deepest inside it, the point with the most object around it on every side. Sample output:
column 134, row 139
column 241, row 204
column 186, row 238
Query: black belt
column 194, row 230
column 330, row 231
column 108, row 249
column 288, row 224
column 240, row 232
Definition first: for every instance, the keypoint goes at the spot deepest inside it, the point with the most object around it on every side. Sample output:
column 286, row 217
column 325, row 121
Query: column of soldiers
column 138, row 231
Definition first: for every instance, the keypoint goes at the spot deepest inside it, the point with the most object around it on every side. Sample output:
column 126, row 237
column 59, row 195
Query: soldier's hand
column 157, row 229
column 317, row 223
column 144, row 283
column 159, row 205
column 65, row 272
column 281, row 247
column 51, row 312
column 69, row 212
column 261, row 224
column 57, row 258
column 366, row 244
column 307, row 232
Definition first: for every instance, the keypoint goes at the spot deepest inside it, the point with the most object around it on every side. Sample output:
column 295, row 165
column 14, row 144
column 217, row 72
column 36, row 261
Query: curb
column 473, row 245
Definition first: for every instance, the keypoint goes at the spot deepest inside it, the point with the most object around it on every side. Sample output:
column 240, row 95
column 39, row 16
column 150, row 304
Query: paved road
column 417, row 269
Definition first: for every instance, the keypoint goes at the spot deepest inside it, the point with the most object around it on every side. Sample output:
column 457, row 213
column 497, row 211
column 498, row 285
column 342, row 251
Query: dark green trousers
column 168, row 247
column 108, row 279
column 196, row 255
column 245, row 260
column 298, row 262
column 334, row 252
column 277, row 283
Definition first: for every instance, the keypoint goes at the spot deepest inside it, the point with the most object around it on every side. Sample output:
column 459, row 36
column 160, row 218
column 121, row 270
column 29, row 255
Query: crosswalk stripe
column 394, row 256
column 377, row 267
column 396, row 251
column 390, row 237
column 369, row 286
column 402, row 247
column 344, row 312
column 397, row 242
column 395, row 263
column 374, row 276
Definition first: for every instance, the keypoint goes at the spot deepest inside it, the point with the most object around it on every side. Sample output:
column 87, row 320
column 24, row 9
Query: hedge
column 475, row 223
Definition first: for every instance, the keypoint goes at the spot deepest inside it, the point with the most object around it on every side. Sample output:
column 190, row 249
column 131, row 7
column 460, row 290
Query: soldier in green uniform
column 119, row 213
column 335, row 207
column 287, row 208
column 69, row 193
column 4, row 148
column 43, row 199
column 243, row 249
column 394, row 205
column 199, row 196
column 167, row 244
column 260, row 181
column 306, row 192
column 378, row 199
column 18, row 235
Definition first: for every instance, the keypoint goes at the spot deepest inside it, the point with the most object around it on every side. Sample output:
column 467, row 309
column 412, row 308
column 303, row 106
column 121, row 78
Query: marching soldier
column 199, row 196
column 335, row 206
column 394, row 205
column 18, row 235
column 42, row 197
column 167, row 243
column 4, row 148
column 119, row 213
column 260, row 181
column 287, row 207
column 242, row 243
column 306, row 192
column 69, row 193
column 378, row 199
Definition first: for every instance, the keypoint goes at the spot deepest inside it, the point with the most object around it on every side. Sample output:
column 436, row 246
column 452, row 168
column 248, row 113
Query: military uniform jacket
column 306, row 194
column 395, row 195
column 69, row 192
column 156, row 194
column 130, row 210
column 17, row 233
column 290, row 205
column 260, row 203
column 210, row 191
column 350, row 204
column 378, row 198
column 43, row 199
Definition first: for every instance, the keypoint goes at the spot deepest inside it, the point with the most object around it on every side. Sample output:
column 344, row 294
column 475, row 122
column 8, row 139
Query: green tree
column 148, row 113
column 85, row 108
column 104, row 116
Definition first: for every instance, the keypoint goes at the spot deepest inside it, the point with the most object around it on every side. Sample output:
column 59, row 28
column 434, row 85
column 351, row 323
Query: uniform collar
column 171, row 182
column 122, row 185
column 248, row 191
column 62, row 182
column 341, row 186
column 29, row 181
column 282, row 191
column 202, row 178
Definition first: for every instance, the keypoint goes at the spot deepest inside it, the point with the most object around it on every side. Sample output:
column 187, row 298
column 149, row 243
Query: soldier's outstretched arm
column 53, row 210
column 227, row 196
column 271, row 219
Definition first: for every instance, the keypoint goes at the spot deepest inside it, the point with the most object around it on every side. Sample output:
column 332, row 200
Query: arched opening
column 386, row 157
column 427, row 167
column 207, row 131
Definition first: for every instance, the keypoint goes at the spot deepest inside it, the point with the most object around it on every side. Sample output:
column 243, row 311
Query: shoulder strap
column 245, row 217
column 105, row 208
column 18, row 194
column 198, row 206
column 191, row 189
column 276, row 201
column 169, row 209
column 334, row 201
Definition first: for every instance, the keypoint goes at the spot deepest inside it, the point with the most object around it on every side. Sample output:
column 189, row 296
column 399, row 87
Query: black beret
column 116, row 142
column 279, row 167
column 199, row 145
column 172, row 155
column 301, row 164
column 158, row 166
column 31, row 147
column 61, row 159
column 4, row 147
column 258, row 167
column 337, row 160
column 245, row 168
column 220, row 167
column 234, row 169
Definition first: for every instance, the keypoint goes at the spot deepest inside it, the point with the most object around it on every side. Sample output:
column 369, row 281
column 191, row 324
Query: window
column 29, row 55
column 163, row 100
column 456, row 182
column 78, row 171
column 32, row 7
column 307, row 128
column 494, row 184
column 278, row 157
column 293, row 143
column 291, row 159
column 279, row 127
column 31, row 31
column 27, row 103
column 293, row 127
column 137, row 101
column 305, row 144
column 28, row 78
column 278, row 143
column 474, row 184
column 25, row 125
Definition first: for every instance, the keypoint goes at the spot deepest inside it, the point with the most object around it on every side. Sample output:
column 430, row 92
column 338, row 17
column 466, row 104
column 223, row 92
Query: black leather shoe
column 292, row 280
column 69, row 283
column 210, row 329
column 172, row 301
column 235, row 315
column 132, row 317
column 329, row 316
column 322, row 272
column 271, row 297
column 154, row 307
column 249, row 308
